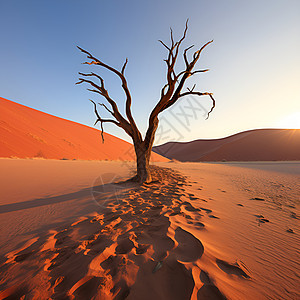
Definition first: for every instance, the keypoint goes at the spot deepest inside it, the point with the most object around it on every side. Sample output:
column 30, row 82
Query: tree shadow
column 44, row 201
column 103, row 191
column 128, row 236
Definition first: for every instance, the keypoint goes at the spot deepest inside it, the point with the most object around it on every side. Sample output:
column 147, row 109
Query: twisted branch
column 172, row 90
column 170, row 93
column 100, row 89
column 99, row 119
column 96, row 61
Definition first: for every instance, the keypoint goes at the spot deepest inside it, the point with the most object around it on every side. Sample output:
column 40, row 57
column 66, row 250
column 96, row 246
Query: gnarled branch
column 172, row 91
column 96, row 61
column 191, row 92
column 102, row 104
column 171, row 76
column 100, row 89
column 124, row 66
column 101, row 120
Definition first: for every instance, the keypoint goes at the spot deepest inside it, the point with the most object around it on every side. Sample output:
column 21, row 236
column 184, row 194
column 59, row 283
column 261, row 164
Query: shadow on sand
column 132, row 247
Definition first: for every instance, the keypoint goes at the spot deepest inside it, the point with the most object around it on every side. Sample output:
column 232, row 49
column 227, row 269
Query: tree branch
column 186, row 74
column 191, row 73
column 96, row 61
column 183, row 37
column 164, row 45
column 102, row 104
column 171, row 76
column 163, row 89
column 173, row 93
column 99, row 119
column 185, row 55
column 191, row 92
column 94, row 74
column 172, row 39
column 168, row 90
column 103, row 92
column 213, row 106
column 197, row 53
column 200, row 71
column 124, row 66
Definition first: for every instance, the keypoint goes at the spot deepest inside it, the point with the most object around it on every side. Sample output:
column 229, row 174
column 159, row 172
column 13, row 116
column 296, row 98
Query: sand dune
column 26, row 132
column 204, row 231
column 253, row 145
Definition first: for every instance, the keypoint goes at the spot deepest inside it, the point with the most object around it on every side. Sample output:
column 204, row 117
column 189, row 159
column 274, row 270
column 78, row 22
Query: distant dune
column 253, row 145
column 26, row 132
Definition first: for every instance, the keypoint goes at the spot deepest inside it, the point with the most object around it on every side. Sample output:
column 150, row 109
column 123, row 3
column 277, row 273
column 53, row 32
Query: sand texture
column 199, row 231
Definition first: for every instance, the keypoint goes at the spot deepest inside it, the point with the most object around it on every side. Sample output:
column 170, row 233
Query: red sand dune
column 26, row 132
column 253, row 145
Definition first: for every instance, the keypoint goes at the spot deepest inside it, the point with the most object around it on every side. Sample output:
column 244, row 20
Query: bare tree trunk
column 170, row 94
column 143, row 150
column 142, row 163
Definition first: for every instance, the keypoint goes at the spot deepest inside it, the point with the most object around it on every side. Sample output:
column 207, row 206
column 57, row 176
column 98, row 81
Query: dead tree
column 170, row 94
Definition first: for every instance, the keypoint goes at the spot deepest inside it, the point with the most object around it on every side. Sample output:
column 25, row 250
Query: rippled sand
column 201, row 231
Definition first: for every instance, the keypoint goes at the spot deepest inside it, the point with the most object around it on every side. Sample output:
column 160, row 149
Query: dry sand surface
column 201, row 231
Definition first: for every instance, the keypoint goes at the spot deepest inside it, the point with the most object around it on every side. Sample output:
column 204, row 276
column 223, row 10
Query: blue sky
column 254, row 60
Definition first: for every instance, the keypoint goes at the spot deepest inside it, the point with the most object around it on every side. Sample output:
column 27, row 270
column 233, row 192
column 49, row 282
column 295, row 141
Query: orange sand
column 191, row 235
column 26, row 132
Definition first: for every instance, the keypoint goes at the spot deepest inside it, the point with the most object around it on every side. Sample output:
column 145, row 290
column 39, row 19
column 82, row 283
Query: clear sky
column 254, row 60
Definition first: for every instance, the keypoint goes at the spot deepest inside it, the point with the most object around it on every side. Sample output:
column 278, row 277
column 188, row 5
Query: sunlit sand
column 203, row 231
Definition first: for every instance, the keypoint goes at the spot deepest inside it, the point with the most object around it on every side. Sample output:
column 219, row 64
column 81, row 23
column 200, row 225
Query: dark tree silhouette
column 170, row 94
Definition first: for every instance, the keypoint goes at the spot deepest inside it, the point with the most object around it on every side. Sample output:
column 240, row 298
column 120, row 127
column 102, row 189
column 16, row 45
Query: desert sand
column 201, row 231
column 252, row 145
column 28, row 133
